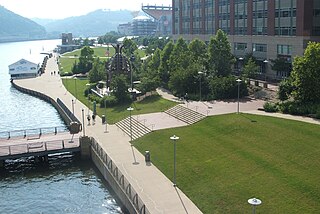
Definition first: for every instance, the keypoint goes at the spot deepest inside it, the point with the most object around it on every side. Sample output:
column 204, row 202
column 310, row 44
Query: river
column 64, row 185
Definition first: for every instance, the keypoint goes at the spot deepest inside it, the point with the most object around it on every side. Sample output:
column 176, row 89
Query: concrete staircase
column 185, row 114
column 138, row 129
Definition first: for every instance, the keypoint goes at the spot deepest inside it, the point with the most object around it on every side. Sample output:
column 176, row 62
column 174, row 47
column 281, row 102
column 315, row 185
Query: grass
column 224, row 160
column 98, row 52
column 117, row 113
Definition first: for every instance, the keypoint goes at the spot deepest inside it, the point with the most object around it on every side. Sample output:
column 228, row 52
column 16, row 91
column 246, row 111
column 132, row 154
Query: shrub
column 109, row 101
column 270, row 107
column 227, row 88
column 318, row 113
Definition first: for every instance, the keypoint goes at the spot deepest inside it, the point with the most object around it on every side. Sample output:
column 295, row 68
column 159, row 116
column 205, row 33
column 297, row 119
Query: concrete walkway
column 247, row 105
column 155, row 189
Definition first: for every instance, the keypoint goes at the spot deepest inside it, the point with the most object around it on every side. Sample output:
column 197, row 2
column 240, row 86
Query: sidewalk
column 155, row 189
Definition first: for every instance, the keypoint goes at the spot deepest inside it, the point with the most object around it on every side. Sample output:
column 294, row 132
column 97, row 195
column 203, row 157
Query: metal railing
column 26, row 148
column 120, row 178
column 32, row 132
column 67, row 111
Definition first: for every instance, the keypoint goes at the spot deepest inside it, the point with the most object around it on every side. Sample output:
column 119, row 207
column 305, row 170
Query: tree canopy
column 306, row 75
column 220, row 56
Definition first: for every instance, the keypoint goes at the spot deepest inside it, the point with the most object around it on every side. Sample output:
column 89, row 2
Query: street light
column 105, row 115
column 254, row 202
column 238, row 81
column 240, row 66
column 83, row 126
column 88, row 86
column 75, row 86
column 174, row 139
column 130, row 109
column 72, row 106
column 200, row 73
column 265, row 69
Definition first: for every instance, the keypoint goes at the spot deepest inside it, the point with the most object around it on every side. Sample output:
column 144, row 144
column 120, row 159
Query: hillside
column 14, row 27
column 95, row 23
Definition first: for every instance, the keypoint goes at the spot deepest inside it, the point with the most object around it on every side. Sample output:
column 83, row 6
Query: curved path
column 153, row 187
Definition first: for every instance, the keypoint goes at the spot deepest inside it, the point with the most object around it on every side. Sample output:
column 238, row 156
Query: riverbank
column 155, row 190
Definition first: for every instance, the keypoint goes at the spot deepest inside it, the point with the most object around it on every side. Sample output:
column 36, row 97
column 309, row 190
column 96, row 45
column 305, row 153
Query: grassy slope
column 225, row 160
column 114, row 114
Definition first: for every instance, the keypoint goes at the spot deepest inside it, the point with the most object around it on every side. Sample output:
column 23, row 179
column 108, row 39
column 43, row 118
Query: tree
column 306, row 75
column 164, row 64
column 97, row 72
column 120, row 85
column 129, row 47
column 220, row 56
column 285, row 89
column 155, row 61
column 185, row 80
column 180, row 56
column 250, row 69
column 85, row 59
column 198, row 50
column 281, row 65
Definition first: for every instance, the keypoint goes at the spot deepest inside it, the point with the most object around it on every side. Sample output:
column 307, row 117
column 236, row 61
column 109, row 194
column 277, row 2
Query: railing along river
column 32, row 132
column 120, row 178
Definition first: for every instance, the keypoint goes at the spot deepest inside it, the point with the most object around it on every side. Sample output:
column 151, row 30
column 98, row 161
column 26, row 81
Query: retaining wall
column 48, row 99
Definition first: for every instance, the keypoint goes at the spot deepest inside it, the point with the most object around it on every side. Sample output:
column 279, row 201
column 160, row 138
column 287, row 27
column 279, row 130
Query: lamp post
column 105, row 115
column 200, row 76
column 254, row 202
column 130, row 109
column 88, row 86
column 265, row 69
column 83, row 126
column 240, row 65
column 75, row 87
column 174, row 138
column 238, row 81
column 131, row 60
column 72, row 106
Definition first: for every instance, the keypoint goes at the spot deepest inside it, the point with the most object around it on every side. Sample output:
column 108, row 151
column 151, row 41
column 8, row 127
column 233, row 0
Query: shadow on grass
column 248, row 118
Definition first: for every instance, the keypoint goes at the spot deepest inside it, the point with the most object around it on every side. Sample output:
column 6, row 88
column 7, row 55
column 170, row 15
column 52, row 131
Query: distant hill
column 14, row 27
column 96, row 23
column 43, row 22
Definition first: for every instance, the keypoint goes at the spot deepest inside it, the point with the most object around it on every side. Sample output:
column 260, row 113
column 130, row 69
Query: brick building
column 266, row 28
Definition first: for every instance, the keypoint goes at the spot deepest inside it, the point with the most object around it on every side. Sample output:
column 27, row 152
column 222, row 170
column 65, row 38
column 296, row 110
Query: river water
column 64, row 185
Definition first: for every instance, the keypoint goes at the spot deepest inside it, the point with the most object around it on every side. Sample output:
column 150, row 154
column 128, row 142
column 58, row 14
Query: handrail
column 124, row 184
column 42, row 146
column 32, row 132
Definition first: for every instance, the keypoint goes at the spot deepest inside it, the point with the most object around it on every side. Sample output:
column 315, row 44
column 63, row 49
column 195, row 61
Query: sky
column 59, row 9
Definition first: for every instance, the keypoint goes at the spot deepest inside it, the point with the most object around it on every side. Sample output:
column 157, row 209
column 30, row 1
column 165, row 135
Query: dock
column 43, row 146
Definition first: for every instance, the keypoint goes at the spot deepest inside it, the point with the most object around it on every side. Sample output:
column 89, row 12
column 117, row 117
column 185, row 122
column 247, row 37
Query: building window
column 284, row 49
column 259, row 47
column 240, row 46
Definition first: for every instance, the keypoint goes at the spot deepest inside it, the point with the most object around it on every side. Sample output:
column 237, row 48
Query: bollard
column 147, row 156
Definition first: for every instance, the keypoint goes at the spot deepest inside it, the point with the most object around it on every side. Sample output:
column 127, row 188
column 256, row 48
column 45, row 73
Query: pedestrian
column 88, row 118
column 54, row 72
column 186, row 97
column 93, row 119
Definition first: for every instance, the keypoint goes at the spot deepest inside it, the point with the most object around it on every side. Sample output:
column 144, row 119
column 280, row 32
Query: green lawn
column 224, row 160
column 115, row 114
column 98, row 51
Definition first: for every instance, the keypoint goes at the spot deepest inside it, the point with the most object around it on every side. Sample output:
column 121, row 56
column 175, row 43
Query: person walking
column 93, row 119
column 88, row 118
